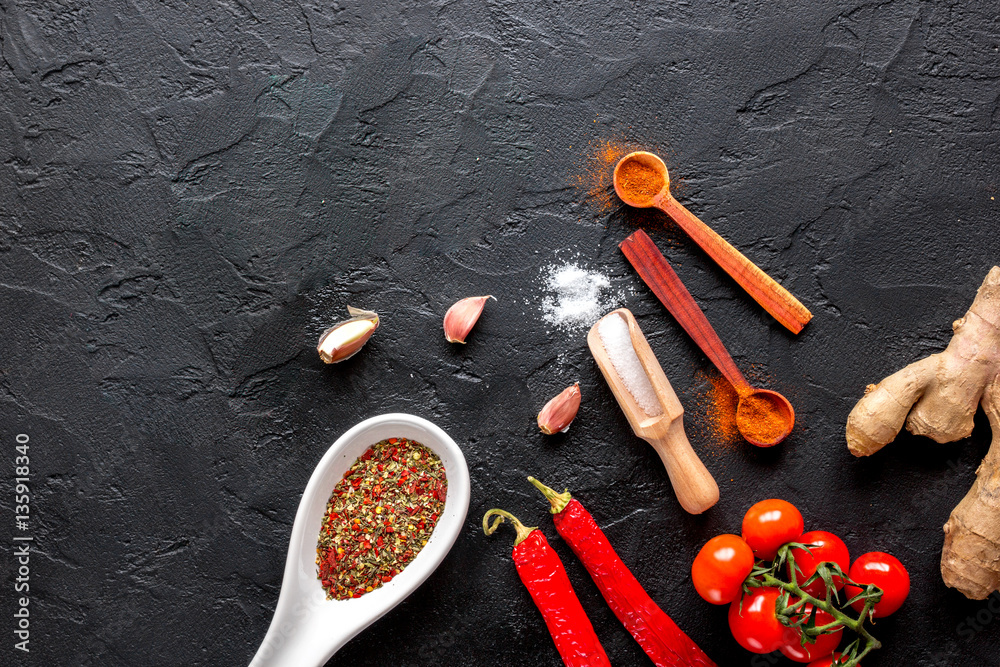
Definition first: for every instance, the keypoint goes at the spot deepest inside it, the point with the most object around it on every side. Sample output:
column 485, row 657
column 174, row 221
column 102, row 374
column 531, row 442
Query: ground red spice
column 759, row 420
column 640, row 182
column 380, row 515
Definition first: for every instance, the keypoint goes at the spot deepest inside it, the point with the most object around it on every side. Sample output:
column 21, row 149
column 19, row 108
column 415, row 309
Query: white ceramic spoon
column 307, row 628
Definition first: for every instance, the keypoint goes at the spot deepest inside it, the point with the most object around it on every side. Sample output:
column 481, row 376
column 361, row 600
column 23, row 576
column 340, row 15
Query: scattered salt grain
column 617, row 342
column 578, row 296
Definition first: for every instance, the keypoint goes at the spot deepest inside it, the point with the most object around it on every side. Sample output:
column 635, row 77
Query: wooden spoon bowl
column 764, row 417
column 637, row 176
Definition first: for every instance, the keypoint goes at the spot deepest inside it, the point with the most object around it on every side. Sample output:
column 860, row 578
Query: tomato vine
column 790, row 605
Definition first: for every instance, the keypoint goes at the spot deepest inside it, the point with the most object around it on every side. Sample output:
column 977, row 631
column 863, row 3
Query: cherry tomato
column 829, row 549
column 769, row 524
column 827, row 661
column 756, row 627
column 886, row 572
column 823, row 645
column 720, row 567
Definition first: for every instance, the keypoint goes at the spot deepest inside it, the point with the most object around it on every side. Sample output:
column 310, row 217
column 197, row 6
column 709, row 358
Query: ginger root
column 937, row 397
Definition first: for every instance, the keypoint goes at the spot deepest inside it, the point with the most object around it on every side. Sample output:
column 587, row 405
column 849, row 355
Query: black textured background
column 191, row 192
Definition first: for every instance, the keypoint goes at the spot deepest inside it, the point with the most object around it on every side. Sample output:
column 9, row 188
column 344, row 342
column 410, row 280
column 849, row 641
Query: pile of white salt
column 614, row 334
column 576, row 296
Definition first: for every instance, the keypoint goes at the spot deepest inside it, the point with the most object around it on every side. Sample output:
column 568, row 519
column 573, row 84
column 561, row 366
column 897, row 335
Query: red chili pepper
column 544, row 576
column 661, row 639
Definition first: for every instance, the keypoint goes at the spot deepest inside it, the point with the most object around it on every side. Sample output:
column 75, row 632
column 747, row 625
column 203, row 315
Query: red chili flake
column 369, row 521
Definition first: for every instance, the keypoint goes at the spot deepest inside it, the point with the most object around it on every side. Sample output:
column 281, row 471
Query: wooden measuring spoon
column 755, row 404
column 695, row 488
column 638, row 178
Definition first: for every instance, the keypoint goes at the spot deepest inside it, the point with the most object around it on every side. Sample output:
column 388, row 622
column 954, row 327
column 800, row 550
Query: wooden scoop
column 695, row 488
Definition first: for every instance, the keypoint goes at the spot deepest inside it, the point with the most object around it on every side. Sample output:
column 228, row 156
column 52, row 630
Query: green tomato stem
column 857, row 625
column 821, row 629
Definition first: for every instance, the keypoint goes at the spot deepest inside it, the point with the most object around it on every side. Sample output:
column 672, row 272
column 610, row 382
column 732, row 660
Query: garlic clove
column 462, row 316
column 344, row 339
column 560, row 412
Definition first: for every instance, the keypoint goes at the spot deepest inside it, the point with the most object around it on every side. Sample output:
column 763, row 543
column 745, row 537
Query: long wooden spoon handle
column 775, row 299
column 654, row 270
column 695, row 487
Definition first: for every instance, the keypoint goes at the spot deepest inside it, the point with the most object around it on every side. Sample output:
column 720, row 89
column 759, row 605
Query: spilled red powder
column 714, row 408
column 596, row 175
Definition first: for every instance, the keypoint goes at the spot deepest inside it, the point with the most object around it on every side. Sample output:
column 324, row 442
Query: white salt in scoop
column 618, row 344
column 650, row 405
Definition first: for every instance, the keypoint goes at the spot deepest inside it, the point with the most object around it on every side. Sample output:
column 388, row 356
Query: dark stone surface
column 191, row 192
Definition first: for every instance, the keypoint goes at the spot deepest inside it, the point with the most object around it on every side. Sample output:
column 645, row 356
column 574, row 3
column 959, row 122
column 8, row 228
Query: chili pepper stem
column 558, row 500
column 522, row 530
column 857, row 625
